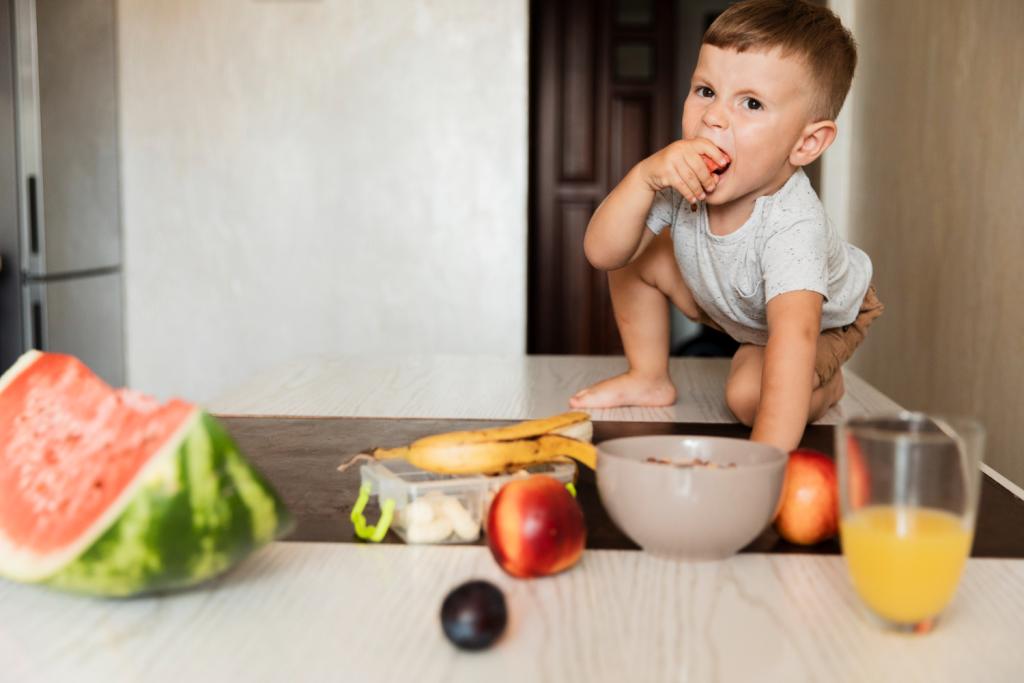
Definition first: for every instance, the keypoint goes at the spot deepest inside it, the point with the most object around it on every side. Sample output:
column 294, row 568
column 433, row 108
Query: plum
column 474, row 615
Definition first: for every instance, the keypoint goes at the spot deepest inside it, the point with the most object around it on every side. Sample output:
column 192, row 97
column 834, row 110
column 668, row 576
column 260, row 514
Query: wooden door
column 601, row 99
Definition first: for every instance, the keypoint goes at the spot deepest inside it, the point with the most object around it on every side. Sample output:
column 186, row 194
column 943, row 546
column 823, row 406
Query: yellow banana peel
column 501, row 449
column 521, row 430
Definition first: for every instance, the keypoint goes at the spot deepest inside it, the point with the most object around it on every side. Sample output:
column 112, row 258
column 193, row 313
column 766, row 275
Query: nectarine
column 535, row 527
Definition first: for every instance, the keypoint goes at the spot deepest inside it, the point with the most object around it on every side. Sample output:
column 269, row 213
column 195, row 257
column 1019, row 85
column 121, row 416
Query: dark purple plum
column 473, row 615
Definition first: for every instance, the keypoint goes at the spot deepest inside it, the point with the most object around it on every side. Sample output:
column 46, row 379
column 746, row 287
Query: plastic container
column 424, row 507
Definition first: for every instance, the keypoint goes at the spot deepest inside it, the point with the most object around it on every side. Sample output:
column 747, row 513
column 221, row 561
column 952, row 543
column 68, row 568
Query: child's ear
column 814, row 140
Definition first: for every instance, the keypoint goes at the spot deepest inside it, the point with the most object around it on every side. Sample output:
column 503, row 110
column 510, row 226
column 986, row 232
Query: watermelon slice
column 108, row 492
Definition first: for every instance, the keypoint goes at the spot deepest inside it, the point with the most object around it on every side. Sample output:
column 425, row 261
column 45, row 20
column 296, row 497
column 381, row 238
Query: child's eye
column 704, row 91
column 752, row 104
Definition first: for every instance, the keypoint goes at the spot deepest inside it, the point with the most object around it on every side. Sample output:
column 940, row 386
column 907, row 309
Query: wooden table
column 490, row 388
column 339, row 611
column 318, row 612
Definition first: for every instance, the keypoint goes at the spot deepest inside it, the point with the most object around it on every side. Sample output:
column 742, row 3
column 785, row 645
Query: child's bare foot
column 627, row 389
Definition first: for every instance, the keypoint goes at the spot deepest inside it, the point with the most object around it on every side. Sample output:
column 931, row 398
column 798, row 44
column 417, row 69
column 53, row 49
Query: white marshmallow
column 434, row 531
column 465, row 528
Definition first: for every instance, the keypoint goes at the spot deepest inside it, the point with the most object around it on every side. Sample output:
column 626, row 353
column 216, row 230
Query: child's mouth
column 723, row 169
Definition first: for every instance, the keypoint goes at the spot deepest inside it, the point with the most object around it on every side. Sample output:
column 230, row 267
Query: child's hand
column 685, row 165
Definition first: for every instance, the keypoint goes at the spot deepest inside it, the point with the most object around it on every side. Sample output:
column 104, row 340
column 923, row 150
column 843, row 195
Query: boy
column 750, row 250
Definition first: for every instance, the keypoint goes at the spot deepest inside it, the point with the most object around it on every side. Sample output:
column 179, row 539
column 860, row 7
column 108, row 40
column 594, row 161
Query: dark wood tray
column 300, row 457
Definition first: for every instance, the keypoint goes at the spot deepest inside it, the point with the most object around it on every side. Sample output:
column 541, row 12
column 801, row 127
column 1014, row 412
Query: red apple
column 809, row 508
column 857, row 472
column 535, row 527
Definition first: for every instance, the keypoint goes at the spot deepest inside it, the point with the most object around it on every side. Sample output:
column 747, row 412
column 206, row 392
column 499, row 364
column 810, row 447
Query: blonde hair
column 796, row 27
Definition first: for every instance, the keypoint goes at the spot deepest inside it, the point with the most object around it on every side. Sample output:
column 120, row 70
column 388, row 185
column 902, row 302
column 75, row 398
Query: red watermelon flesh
column 71, row 446
column 109, row 492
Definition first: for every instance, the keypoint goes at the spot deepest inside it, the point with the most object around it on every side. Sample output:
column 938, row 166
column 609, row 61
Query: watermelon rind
column 24, row 360
column 198, row 513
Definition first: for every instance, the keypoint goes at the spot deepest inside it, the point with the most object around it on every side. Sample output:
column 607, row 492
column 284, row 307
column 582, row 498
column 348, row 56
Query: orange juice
column 905, row 562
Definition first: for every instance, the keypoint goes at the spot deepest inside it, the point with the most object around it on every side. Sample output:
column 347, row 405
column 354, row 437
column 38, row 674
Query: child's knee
column 743, row 396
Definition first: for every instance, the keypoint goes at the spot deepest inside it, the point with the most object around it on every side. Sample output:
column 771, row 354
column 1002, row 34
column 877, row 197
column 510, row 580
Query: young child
column 750, row 249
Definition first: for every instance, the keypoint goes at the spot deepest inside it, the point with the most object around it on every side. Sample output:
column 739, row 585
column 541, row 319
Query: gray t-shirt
column 788, row 244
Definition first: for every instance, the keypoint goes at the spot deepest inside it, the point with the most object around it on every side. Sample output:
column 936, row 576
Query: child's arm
column 615, row 234
column 794, row 324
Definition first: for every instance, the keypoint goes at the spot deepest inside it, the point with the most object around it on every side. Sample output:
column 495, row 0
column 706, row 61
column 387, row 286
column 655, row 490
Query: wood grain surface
column 490, row 388
column 939, row 212
column 342, row 612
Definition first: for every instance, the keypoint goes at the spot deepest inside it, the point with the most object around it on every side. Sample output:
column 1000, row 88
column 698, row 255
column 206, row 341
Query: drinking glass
column 908, row 498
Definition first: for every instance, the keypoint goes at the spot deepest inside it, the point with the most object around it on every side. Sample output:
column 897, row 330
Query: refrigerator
column 60, row 218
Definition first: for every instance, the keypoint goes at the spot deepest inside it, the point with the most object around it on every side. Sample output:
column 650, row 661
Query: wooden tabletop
column 301, row 455
column 515, row 387
column 491, row 388
column 343, row 611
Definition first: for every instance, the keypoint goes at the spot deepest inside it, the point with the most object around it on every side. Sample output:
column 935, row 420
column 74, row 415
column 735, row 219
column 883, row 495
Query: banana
column 501, row 449
column 581, row 431
column 578, row 421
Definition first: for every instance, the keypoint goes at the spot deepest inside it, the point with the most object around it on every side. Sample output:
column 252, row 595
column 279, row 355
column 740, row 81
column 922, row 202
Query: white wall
column 319, row 177
column 934, row 197
column 837, row 160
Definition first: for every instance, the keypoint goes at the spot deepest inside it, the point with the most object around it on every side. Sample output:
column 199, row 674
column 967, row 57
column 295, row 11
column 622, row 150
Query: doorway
column 601, row 99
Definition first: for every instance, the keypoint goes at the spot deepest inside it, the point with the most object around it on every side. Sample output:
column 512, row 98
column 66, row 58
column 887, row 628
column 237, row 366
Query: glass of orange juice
column 908, row 497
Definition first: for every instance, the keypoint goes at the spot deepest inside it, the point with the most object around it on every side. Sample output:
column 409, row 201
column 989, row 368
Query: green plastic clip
column 374, row 533
column 571, row 489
